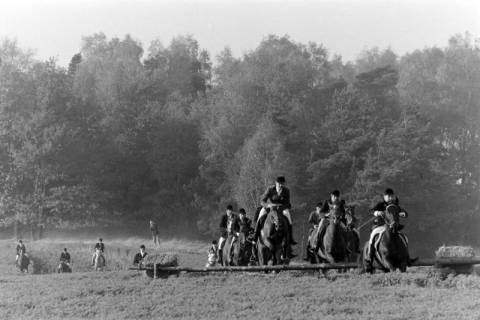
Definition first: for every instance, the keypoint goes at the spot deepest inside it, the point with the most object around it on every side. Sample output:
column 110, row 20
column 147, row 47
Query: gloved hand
column 378, row 213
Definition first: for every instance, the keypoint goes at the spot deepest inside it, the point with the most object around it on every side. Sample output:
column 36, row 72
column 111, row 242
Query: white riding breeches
column 375, row 231
column 221, row 243
column 285, row 212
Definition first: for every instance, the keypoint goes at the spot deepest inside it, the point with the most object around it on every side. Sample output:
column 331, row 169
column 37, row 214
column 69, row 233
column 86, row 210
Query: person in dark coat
column 278, row 194
column 245, row 223
column 378, row 210
column 229, row 225
column 335, row 202
column 19, row 249
column 140, row 256
column 100, row 245
column 315, row 216
column 65, row 256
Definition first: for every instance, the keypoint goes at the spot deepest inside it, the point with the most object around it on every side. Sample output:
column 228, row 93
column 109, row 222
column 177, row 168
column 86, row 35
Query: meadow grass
column 119, row 253
column 418, row 294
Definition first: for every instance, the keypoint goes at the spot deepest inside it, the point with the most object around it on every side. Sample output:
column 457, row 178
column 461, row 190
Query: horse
column 352, row 237
column 98, row 261
column 22, row 262
column 64, row 267
column 329, row 246
column 238, row 252
column 391, row 250
column 274, row 239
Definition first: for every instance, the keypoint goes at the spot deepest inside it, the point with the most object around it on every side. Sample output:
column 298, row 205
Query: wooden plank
column 322, row 266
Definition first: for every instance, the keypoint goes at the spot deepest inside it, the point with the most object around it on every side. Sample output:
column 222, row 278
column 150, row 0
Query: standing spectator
column 154, row 231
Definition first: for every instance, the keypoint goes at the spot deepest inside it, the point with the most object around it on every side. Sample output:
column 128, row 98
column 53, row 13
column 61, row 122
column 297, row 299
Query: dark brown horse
column 352, row 237
column 23, row 262
column 391, row 253
column 238, row 252
column 273, row 241
column 331, row 245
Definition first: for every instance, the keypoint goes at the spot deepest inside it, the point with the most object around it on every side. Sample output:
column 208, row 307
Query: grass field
column 121, row 294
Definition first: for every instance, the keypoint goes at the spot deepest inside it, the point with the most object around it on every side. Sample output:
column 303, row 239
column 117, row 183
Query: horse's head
column 275, row 217
column 391, row 217
column 350, row 214
column 335, row 213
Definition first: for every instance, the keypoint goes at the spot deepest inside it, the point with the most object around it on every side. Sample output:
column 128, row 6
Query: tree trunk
column 15, row 229
column 32, row 232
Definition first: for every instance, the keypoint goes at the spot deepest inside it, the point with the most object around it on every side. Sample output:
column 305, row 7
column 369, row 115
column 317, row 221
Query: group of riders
column 22, row 260
column 277, row 198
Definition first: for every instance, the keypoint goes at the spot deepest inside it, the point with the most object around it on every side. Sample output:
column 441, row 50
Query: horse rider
column 315, row 217
column 273, row 196
column 378, row 210
column 100, row 245
column 140, row 256
column 245, row 223
column 65, row 256
column 335, row 202
column 229, row 225
column 314, row 220
column 97, row 254
column 20, row 249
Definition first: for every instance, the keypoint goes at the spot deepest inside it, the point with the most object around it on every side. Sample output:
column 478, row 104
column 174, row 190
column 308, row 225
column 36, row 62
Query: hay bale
column 452, row 252
column 161, row 260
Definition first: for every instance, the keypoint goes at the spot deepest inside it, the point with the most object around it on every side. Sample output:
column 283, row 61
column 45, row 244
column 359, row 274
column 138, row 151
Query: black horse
column 352, row 237
column 237, row 250
column 274, row 239
column 64, row 267
column 329, row 246
column 391, row 253
column 22, row 262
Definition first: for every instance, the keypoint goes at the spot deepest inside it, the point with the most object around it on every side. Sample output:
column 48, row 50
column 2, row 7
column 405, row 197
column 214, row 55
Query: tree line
column 126, row 134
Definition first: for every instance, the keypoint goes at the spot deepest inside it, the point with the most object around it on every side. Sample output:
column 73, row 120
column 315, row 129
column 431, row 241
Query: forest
column 124, row 134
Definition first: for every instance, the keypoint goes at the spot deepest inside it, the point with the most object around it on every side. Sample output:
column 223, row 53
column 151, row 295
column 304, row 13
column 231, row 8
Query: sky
column 54, row 28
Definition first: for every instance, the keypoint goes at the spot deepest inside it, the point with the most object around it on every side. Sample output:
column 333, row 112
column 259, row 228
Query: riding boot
column 370, row 256
column 290, row 232
column 220, row 257
column 254, row 253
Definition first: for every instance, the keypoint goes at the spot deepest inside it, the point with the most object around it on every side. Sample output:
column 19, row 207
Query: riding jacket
column 282, row 198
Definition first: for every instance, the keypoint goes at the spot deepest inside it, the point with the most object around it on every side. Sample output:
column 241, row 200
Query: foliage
column 122, row 135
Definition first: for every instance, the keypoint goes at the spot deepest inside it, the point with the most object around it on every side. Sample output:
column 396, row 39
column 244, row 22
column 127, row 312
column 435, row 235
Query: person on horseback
column 65, row 256
column 245, row 223
column 315, row 217
column 100, row 245
column 274, row 196
column 229, row 225
column 334, row 203
column 313, row 220
column 20, row 248
column 140, row 256
column 378, row 210
column 98, row 260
